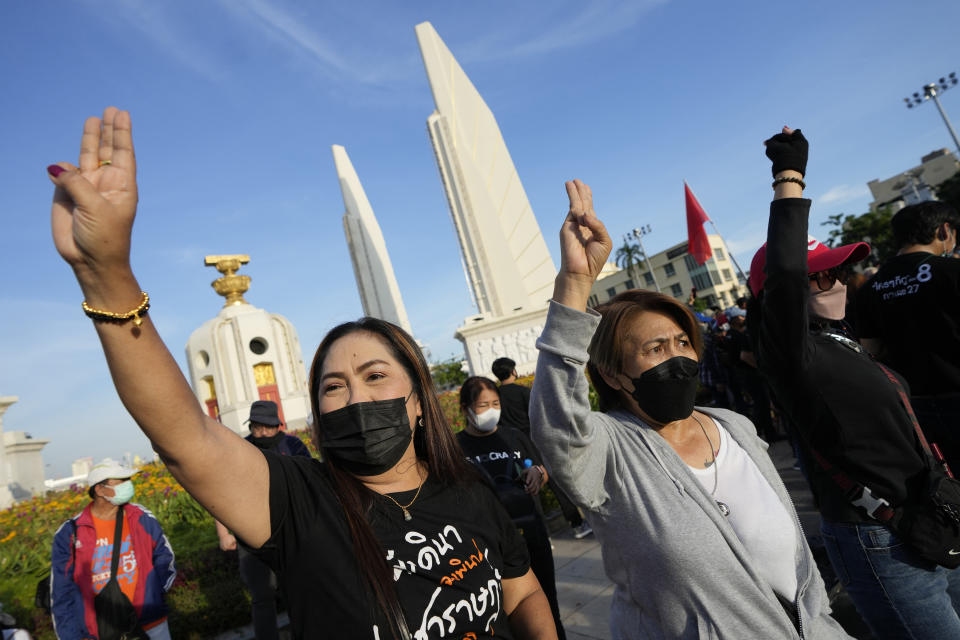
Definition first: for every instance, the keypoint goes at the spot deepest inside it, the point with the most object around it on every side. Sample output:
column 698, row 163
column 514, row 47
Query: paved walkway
column 583, row 589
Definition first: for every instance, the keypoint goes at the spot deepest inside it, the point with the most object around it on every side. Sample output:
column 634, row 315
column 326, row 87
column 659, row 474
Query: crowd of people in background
column 728, row 371
column 404, row 529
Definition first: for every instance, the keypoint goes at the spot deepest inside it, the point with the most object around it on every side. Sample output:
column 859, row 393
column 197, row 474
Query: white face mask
column 486, row 421
column 830, row 304
column 122, row 493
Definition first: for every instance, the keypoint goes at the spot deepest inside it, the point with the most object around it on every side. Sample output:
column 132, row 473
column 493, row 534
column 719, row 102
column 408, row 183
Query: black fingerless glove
column 788, row 151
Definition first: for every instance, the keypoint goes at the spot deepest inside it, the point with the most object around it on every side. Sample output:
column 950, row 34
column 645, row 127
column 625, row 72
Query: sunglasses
column 826, row 279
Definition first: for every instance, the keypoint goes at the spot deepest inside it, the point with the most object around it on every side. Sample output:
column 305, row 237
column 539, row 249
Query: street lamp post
column 638, row 234
column 930, row 92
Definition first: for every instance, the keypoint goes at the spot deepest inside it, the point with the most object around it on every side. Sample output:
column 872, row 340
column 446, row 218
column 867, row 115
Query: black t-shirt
column 515, row 406
column 448, row 561
column 912, row 305
column 501, row 455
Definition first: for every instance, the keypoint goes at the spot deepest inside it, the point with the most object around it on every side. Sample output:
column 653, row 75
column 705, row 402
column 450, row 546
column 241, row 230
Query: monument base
column 513, row 336
column 6, row 497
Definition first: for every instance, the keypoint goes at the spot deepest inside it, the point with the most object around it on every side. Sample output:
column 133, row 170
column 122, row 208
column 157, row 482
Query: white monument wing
column 376, row 281
column 507, row 262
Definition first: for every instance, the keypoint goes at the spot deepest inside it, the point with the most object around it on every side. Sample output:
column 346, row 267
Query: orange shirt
column 127, row 570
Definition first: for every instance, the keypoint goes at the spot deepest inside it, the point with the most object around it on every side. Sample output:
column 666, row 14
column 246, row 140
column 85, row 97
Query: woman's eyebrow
column 366, row 365
column 661, row 339
column 657, row 340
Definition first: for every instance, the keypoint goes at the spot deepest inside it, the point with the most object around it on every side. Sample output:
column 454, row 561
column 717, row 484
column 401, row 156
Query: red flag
column 697, row 244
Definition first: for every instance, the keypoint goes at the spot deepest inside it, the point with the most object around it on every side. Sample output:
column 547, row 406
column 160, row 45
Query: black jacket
column 839, row 399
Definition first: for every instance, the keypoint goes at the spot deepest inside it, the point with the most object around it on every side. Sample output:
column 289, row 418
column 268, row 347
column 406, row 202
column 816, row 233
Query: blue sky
column 235, row 104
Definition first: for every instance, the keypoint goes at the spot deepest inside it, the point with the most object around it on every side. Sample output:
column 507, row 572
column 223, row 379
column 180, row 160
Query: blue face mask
column 122, row 493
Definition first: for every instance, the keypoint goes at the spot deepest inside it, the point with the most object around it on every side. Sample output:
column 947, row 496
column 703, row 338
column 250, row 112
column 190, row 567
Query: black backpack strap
column 115, row 563
column 117, row 545
column 73, row 541
column 931, row 449
column 859, row 495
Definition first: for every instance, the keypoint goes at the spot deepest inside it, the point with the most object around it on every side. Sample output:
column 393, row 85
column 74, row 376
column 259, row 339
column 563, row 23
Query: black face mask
column 367, row 438
column 268, row 442
column 667, row 391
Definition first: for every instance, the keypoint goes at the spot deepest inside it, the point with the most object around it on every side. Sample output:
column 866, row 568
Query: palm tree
column 628, row 257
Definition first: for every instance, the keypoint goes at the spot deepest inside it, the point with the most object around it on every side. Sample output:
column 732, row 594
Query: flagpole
column 638, row 234
column 730, row 253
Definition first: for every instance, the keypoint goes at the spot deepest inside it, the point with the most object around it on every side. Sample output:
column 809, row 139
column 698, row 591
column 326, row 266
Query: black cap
column 264, row 412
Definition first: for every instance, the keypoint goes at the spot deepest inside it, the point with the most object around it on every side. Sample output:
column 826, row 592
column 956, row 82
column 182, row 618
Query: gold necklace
column 724, row 508
column 405, row 508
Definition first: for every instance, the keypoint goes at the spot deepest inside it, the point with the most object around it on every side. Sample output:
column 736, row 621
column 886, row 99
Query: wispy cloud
column 301, row 38
column 594, row 21
column 285, row 29
column 325, row 54
column 150, row 20
column 186, row 40
column 843, row 193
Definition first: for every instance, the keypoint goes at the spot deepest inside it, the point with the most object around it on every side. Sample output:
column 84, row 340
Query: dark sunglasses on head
column 826, row 279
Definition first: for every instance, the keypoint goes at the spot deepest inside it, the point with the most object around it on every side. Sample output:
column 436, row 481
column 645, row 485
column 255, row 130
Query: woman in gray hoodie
column 697, row 529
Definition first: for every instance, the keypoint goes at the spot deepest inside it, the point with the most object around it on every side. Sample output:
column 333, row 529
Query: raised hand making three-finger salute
column 93, row 209
column 584, row 248
column 94, row 205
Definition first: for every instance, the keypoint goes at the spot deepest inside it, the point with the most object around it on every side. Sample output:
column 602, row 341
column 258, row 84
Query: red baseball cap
column 820, row 257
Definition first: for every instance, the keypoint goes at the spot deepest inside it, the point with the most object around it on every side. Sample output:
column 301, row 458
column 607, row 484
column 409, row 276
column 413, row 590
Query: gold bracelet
column 108, row 316
column 799, row 181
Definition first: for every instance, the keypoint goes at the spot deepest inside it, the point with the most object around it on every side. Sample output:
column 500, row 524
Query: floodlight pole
column 943, row 114
column 931, row 92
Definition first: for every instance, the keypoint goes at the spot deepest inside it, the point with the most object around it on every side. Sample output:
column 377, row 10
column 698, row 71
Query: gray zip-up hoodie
column 679, row 568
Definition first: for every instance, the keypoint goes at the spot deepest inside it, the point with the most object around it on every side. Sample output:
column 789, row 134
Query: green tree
column 448, row 374
column 949, row 191
column 628, row 257
column 872, row 227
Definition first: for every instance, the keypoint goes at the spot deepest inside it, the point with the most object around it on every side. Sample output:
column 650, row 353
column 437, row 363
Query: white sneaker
column 582, row 531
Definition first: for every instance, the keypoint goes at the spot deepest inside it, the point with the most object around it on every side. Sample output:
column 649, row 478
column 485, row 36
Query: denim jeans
column 897, row 593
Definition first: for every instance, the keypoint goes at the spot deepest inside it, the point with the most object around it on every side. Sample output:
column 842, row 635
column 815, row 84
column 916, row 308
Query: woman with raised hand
column 697, row 530
column 869, row 468
column 391, row 536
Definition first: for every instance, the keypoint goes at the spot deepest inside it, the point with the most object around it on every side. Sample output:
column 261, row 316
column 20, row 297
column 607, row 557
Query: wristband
column 799, row 181
column 109, row 316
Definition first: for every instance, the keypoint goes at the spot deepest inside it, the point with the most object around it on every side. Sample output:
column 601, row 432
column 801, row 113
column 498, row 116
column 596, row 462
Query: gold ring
column 104, row 163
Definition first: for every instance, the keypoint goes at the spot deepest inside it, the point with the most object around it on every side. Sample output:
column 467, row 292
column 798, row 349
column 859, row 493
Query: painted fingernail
column 55, row 170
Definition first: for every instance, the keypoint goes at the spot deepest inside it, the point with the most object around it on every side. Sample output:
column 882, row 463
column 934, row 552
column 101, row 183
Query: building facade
column 916, row 184
column 376, row 282
column 676, row 272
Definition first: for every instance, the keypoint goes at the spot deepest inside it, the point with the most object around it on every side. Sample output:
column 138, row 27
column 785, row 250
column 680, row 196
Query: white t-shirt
column 756, row 514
